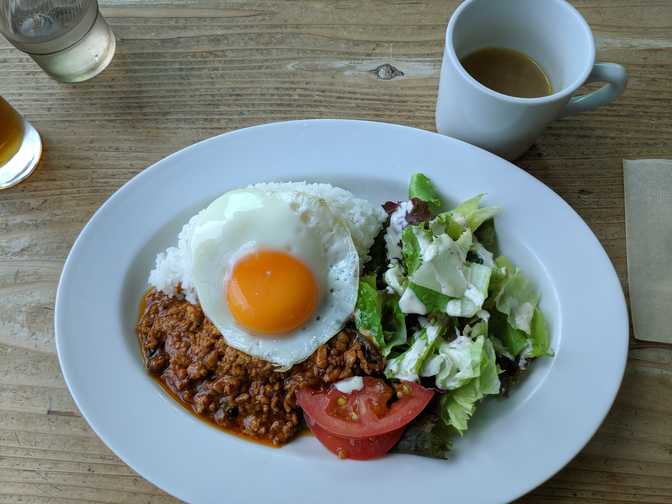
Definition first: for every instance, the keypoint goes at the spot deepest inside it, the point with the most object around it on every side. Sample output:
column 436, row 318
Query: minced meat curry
column 189, row 357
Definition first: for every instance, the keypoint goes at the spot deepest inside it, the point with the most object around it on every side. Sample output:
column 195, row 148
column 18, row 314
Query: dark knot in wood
column 387, row 72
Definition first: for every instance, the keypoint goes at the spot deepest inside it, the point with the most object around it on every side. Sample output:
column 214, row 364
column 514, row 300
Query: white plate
column 513, row 445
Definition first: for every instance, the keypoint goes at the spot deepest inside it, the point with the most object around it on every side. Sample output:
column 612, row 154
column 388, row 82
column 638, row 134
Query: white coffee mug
column 555, row 35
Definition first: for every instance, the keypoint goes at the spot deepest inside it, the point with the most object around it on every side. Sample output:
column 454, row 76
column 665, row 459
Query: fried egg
column 276, row 273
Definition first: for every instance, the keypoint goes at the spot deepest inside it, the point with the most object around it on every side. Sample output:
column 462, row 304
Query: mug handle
column 614, row 75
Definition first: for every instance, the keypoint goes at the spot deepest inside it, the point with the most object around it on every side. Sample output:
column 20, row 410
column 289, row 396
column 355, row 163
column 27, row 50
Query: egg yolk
column 271, row 292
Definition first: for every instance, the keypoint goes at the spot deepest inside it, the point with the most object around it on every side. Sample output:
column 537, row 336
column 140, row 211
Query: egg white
column 246, row 220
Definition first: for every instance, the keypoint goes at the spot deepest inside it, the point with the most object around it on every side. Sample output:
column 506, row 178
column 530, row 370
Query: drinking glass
column 69, row 39
column 20, row 146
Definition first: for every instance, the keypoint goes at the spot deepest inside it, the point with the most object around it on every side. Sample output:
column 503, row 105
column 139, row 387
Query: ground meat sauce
column 189, row 357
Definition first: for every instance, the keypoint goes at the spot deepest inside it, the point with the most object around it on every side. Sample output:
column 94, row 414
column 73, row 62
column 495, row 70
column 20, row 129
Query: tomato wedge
column 364, row 413
column 353, row 448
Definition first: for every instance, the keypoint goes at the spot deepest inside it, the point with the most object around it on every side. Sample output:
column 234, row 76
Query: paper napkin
column 648, row 227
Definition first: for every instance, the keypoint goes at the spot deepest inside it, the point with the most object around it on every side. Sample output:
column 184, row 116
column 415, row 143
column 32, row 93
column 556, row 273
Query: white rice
column 173, row 266
column 362, row 218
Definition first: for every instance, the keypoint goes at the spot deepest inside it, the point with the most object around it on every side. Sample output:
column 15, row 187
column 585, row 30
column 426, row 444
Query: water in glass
column 69, row 39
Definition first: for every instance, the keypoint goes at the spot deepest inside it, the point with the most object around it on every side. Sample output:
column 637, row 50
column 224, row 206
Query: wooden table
column 186, row 70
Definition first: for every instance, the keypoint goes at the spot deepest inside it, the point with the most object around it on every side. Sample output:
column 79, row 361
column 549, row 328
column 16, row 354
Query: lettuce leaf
column 540, row 344
column 515, row 296
column 513, row 340
column 407, row 366
column 483, row 254
column 459, row 405
column 422, row 188
column 458, row 361
column 471, row 212
column 467, row 215
column 433, row 301
column 448, row 223
column 395, row 278
column 503, row 268
column 410, row 250
column 489, row 379
column 517, row 343
column 378, row 316
column 394, row 324
column 478, row 279
column 487, row 235
column 461, row 362
column 478, row 329
column 369, row 310
column 465, row 242
column 442, row 267
column 456, row 412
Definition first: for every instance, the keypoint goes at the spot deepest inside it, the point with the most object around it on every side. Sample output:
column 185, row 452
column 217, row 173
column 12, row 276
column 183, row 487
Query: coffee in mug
column 508, row 72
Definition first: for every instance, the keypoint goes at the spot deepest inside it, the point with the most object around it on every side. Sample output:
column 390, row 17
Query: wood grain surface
column 186, row 70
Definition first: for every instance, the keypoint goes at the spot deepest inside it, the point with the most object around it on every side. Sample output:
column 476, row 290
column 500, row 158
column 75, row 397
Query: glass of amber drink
column 20, row 146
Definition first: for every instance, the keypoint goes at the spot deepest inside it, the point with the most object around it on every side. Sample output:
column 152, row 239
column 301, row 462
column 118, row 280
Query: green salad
column 447, row 310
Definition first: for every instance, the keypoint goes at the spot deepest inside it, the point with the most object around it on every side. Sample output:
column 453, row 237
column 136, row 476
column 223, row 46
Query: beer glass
column 20, row 146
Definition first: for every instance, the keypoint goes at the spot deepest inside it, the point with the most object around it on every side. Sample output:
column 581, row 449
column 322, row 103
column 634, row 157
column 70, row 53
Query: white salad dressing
column 484, row 254
column 428, row 248
column 349, row 385
column 397, row 225
column 394, row 279
column 474, row 295
column 459, row 218
column 408, row 365
column 410, row 303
